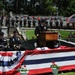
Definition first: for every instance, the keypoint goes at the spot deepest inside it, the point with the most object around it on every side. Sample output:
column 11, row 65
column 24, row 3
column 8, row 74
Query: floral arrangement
column 54, row 65
column 23, row 69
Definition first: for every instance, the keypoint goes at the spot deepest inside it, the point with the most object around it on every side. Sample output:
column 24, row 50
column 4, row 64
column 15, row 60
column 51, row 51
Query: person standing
column 29, row 22
column 12, row 22
column 42, row 27
column 2, row 20
column 25, row 20
column 7, row 23
column 34, row 22
column 39, row 29
column 21, row 22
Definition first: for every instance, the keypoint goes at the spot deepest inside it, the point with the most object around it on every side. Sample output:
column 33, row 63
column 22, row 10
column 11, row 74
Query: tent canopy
column 71, row 19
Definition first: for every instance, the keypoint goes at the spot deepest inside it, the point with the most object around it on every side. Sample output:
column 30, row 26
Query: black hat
column 42, row 20
column 15, row 31
column 1, row 33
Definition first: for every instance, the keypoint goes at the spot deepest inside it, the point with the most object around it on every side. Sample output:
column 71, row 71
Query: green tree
column 47, row 8
column 1, row 5
column 71, row 8
column 63, row 7
column 66, row 7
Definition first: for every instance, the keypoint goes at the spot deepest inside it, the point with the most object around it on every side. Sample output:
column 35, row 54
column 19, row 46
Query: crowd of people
column 40, row 24
column 32, row 21
column 14, row 42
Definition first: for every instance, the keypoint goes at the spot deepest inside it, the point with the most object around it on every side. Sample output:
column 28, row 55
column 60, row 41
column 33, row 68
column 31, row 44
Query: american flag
column 10, row 61
column 71, row 19
column 37, row 61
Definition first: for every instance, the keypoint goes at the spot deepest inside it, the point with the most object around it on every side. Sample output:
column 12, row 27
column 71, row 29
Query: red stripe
column 49, row 70
column 15, row 73
column 11, row 72
column 35, row 52
column 6, row 53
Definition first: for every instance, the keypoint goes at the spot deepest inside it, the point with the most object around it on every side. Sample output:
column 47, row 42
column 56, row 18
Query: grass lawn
column 64, row 34
column 67, row 73
column 30, row 34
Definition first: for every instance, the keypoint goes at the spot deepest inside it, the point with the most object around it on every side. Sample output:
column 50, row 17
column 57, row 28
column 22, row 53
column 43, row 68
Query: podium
column 47, row 39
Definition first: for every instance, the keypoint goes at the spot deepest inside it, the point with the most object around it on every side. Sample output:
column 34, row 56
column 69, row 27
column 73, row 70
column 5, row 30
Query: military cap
column 1, row 33
column 15, row 31
column 42, row 20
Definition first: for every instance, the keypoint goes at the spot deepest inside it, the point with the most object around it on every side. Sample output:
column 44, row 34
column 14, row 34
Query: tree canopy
column 39, row 7
column 1, row 5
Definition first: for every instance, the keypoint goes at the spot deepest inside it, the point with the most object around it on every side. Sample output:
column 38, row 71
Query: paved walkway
column 48, row 29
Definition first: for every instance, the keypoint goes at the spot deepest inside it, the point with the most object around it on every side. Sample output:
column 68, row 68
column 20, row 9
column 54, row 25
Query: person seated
column 3, row 43
column 15, row 42
column 56, row 45
column 70, row 35
column 74, row 35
